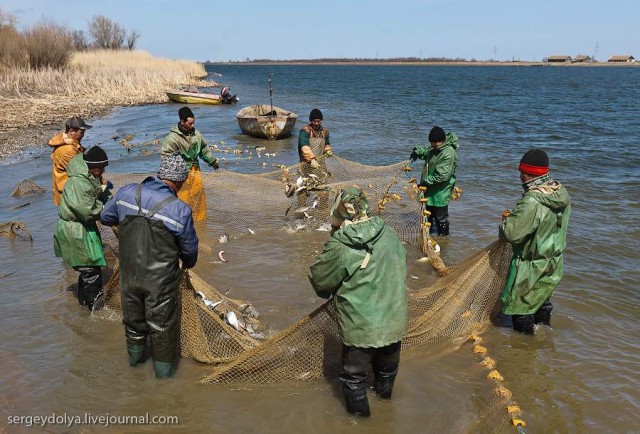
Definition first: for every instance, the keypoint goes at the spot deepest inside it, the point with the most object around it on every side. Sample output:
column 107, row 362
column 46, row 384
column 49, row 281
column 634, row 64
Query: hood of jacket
column 451, row 140
column 78, row 167
column 361, row 235
column 553, row 195
column 63, row 139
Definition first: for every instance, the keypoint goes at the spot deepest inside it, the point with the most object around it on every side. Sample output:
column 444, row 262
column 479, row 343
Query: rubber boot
column 543, row 315
column 523, row 324
column 136, row 354
column 163, row 369
column 356, row 400
column 443, row 229
column 383, row 383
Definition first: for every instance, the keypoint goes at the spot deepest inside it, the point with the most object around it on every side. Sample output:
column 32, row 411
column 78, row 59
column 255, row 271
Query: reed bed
column 94, row 82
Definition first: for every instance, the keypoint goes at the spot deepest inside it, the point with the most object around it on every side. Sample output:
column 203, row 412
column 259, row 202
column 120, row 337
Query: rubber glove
column 414, row 155
column 107, row 186
column 215, row 164
column 314, row 164
column 328, row 153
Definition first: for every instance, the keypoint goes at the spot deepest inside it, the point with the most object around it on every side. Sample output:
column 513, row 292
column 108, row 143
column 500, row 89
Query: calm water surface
column 581, row 376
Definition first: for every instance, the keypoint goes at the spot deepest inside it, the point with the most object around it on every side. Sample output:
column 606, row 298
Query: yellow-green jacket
column 439, row 172
column 371, row 301
column 77, row 239
column 191, row 147
column 537, row 229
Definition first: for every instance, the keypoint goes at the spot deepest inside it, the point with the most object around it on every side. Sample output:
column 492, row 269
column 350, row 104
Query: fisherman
column 363, row 265
column 313, row 142
column 185, row 139
column 438, row 176
column 537, row 229
column 77, row 239
column 66, row 145
column 155, row 230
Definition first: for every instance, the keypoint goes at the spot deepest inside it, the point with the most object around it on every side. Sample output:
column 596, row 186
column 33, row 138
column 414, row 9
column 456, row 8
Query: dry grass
column 94, row 82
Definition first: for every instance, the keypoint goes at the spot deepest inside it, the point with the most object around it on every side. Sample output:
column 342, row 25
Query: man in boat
column 537, row 229
column 363, row 266
column 438, row 176
column 77, row 239
column 314, row 145
column 185, row 139
column 66, row 145
column 156, row 229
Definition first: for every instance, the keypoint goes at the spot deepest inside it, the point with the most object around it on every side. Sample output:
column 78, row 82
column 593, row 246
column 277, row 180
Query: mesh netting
column 299, row 198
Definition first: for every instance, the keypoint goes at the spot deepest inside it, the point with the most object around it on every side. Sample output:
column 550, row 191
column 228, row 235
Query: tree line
column 50, row 45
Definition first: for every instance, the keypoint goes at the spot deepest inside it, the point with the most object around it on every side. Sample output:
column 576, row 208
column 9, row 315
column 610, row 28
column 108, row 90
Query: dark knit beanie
column 315, row 114
column 436, row 135
column 96, row 157
column 535, row 162
column 184, row 113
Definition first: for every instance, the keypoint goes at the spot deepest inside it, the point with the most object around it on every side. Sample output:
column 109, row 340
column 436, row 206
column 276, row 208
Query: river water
column 583, row 375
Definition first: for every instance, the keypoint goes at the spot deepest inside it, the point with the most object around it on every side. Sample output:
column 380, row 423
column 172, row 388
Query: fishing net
column 298, row 198
column 15, row 229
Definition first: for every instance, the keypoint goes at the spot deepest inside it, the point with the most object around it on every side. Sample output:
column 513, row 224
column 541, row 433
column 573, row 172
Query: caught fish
column 224, row 238
column 220, row 256
column 232, row 320
column 324, row 227
column 251, row 231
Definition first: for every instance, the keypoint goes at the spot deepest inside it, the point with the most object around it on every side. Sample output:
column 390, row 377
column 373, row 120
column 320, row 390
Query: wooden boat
column 266, row 121
column 191, row 95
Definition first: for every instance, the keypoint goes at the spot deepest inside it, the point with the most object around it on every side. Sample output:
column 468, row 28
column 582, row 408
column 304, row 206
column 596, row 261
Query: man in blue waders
column 364, row 267
column 156, row 231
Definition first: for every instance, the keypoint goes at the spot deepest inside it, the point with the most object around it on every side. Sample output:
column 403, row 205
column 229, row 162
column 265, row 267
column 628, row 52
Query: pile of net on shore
column 454, row 307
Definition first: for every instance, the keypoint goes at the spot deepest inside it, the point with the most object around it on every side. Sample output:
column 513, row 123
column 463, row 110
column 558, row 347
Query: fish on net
column 457, row 305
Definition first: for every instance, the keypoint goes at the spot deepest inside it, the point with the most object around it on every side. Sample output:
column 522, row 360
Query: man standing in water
column 156, row 229
column 439, row 176
column 313, row 142
column 66, row 145
column 185, row 139
column 537, row 229
column 77, row 239
column 363, row 265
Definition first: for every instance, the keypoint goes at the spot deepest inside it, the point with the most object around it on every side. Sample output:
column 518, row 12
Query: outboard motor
column 227, row 96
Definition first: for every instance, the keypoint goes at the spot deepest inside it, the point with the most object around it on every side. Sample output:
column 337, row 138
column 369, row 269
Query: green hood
column 554, row 196
column 78, row 167
column 361, row 236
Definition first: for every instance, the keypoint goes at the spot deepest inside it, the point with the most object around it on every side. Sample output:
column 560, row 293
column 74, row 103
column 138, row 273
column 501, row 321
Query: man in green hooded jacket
column 363, row 265
column 537, row 229
column 77, row 239
column 189, row 142
column 439, row 176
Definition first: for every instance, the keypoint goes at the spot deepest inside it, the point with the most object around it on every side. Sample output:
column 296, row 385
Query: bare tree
column 80, row 40
column 48, row 45
column 132, row 39
column 106, row 33
column 6, row 19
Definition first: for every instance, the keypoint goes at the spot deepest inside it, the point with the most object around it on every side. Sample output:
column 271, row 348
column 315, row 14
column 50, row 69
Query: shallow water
column 581, row 376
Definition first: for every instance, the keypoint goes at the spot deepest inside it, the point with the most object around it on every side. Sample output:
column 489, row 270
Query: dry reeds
column 93, row 82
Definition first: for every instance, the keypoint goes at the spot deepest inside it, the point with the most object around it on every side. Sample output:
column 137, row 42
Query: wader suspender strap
column 156, row 208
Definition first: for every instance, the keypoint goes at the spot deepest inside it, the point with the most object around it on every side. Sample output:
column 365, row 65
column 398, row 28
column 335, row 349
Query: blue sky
column 287, row 29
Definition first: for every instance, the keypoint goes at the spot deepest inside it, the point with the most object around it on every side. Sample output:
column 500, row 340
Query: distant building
column 621, row 59
column 581, row 58
column 558, row 59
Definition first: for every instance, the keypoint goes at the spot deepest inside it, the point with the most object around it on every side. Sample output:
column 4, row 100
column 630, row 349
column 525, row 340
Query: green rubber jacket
column 371, row 302
column 190, row 147
column 439, row 172
column 77, row 239
column 537, row 229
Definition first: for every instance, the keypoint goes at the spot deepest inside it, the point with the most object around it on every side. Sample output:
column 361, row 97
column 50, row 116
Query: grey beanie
column 173, row 168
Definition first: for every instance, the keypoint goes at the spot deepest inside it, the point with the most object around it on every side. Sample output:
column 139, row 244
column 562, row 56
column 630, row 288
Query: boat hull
column 194, row 98
column 259, row 121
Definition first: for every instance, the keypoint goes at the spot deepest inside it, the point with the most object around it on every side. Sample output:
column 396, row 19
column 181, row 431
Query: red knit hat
column 535, row 162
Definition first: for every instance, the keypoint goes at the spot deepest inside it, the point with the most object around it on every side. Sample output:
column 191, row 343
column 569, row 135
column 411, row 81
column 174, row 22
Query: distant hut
column 559, row 59
column 581, row 58
column 621, row 59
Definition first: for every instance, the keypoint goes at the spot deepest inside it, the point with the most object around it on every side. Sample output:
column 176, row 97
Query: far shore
column 420, row 63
